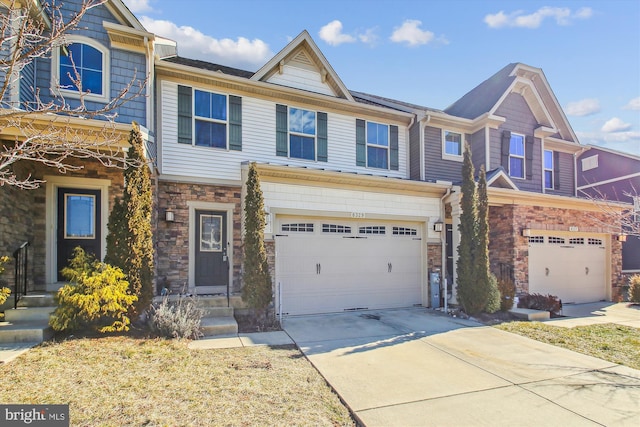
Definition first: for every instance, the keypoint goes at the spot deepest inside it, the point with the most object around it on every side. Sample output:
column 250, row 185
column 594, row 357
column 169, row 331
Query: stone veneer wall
column 23, row 214
column 172, row 239
column 507, row 245
column 434, row 256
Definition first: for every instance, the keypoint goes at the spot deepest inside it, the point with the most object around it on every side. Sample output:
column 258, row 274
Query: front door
column 78, row 224
column 211, row 263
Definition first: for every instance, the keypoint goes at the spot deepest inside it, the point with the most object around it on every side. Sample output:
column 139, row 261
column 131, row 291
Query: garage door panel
column 349, row 270
column 571, row 268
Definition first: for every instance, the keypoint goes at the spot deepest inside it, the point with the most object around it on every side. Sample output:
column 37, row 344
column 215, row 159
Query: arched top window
column 86, row 62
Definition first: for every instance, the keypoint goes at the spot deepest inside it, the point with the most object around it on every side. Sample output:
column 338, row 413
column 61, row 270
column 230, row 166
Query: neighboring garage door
column 329, row 266
column 571, row 268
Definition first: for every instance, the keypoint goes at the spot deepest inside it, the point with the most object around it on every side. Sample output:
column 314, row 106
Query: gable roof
column 304, row 45
column 124, row 16
column 531, row 83
column 498, row 178
column 209, row 66
column 482, row 98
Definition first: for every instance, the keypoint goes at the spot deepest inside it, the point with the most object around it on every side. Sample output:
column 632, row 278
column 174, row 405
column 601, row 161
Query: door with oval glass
column 211, row 262
column 78, row 224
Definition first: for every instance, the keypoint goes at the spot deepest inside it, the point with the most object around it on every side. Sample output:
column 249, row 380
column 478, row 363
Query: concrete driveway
column 415, row 367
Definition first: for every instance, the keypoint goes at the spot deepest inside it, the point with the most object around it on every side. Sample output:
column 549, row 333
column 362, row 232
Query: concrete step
column 26, row 314
column 212, row 326
column 34, row 331
column 234, row 301
column 36, row 300
column 217, row 311
column 528, row 314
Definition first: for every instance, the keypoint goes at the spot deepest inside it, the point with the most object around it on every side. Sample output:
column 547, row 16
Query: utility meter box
column 434, row 281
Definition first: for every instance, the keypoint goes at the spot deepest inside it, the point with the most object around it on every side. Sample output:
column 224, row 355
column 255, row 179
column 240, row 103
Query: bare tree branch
column 56, row 131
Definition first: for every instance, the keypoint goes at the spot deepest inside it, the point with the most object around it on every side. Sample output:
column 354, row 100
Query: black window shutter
column 361, row 144
column 556, row 170
column 393, row 145
column 506, row 144
column 281, row 131
column 235, row 123
column 185, row 127
column 528, row 153
column 322, row 137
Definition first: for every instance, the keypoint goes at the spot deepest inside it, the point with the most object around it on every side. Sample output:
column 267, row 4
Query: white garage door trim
column 572, row 267
column 328, row 265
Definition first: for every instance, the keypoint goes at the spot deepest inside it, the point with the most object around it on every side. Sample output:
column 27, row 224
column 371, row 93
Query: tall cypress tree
column 468, row 221
column 257, row 289
column 130, row 241
column 483, row 273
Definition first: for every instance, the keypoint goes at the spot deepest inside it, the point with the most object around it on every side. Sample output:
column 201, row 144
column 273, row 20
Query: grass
column 120, row 381
column 615, row 343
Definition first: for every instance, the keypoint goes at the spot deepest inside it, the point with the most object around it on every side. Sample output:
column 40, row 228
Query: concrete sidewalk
column 414, row 367
column 622, row 313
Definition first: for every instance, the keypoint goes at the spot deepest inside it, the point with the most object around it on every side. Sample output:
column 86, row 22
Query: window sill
column 453, row 158
column 73, row 94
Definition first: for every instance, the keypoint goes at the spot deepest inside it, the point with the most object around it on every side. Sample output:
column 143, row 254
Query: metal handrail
column 20, row 278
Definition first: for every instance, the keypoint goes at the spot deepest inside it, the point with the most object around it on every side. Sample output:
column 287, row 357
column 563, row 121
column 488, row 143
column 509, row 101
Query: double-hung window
column 301, row 134
column 452, row 143
column 516, row 156
column 209, row 119
column 548, row 169
column 377, row 145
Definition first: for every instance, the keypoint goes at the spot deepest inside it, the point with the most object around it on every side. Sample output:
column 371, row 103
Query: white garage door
column 571, row 267
column 328, row 266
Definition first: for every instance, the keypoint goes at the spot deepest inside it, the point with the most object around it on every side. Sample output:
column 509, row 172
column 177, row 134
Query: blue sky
column 432, row 52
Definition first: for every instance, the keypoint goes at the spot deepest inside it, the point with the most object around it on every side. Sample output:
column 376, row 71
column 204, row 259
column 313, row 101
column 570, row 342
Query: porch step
column 529, row 314
column 36, row 300
column 217, row 311
column 235, row 301
column 32, row 331
column 26, row 314
column 212, row 326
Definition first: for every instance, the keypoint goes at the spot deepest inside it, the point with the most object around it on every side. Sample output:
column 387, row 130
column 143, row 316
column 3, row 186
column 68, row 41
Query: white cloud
column 369, row 36
column 562, row 16
column 137, row 6
column 241, row 53
column 615, row 125
column 411, row 33
column 332, row 34
column 584, row 107
column 633, row 104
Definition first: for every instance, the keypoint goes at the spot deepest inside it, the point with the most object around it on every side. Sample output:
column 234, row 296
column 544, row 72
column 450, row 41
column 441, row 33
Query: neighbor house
column 111, row 51
column 609, row 175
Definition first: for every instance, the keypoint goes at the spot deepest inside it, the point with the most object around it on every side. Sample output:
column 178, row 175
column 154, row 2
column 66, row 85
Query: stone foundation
column 172, row 238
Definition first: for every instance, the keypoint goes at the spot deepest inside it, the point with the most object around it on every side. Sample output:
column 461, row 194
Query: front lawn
column 615, row 343
column 119, row 381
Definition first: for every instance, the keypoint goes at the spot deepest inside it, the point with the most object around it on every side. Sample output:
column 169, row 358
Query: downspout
column 443, row 246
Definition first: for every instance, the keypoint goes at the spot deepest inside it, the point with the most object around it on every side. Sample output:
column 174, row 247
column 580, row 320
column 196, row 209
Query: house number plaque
column 358, row 215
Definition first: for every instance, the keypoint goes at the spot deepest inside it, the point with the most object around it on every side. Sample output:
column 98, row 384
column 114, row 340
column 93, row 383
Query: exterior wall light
column 621, row 237
column 526, row 232
column 437, row 226
column 169, row 216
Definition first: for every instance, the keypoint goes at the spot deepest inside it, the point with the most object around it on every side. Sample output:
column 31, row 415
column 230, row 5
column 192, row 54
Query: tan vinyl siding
column 259, row 144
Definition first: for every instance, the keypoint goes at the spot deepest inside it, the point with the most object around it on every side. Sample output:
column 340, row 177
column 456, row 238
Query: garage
column 572, row 267
column 334, row 265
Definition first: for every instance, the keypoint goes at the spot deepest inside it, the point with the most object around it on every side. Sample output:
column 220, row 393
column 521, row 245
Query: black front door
column 78, row 224
column 211, row 249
